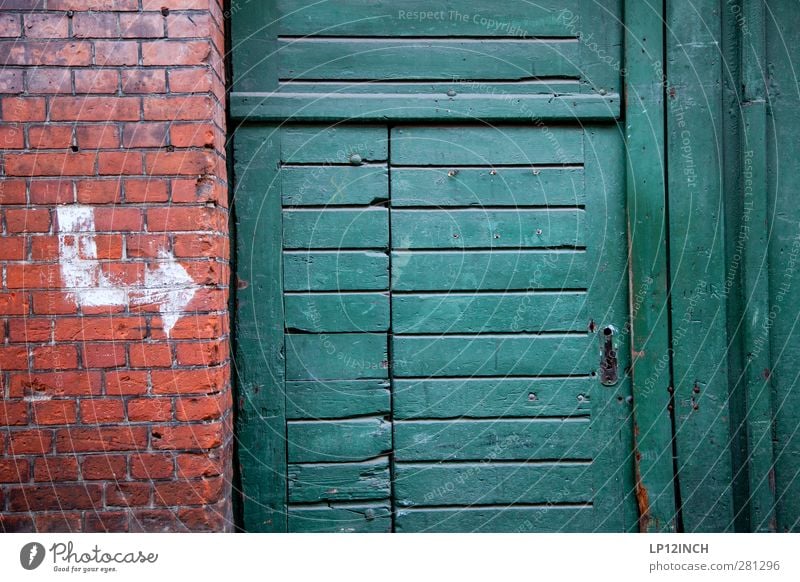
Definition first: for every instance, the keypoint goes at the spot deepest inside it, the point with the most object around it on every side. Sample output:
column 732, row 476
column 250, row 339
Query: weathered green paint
column 337, row 312
column 335, row 185
column 346, row 356
column 336, row 229
column 341, row 518
column 325, row 144
column 337, row 398
column 339, row 481
column 541, row 519
column 496, row 229
column 646, row 203
column 336, row 441
column 335, row 270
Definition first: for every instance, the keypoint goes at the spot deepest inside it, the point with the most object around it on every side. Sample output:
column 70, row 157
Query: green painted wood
column 755, row 275
column 334, row 185
column 646, row 214
column 783, row 158
column 341, row 518
column 509, row 228
column 516, row 187
column 609, row 305
column 254, row 34
column 391, row 89
column 337, row 312
column 554, row 519
column 490, row 312
column 338, row 440
column 445, row 145
column 489, row 483
column 325, row 144
column 346, row 356
column 490, row 355
column 337, row 398
column 260, row 373
column 433, row 106
column 601, row 47
column 491, row 397
column 335, row 271
column 697, row 232
column 425, row 59
column 488, row 270
column 339, row 481
column 507, row 439
column 453, row 18
column 363, row 228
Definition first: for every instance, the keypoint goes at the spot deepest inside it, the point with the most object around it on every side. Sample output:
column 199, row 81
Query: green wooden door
column 432, row 304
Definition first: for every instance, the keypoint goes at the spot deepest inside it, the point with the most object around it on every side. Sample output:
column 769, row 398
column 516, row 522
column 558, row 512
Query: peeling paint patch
column 166, row 283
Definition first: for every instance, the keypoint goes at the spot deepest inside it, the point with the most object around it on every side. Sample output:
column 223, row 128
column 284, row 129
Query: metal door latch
column 608, row 361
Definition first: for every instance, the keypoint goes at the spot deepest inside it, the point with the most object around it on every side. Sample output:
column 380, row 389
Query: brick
column 35, row 442
column 118, row 219
column 46, row 164
column 55, row 357
column 94, row 108
column 23, row 109
column 99, row 328
column 190, row 26
column 98, row 136
column 99, row 191
column 205, row 189
column 188, row 381
column 96, row 81
column 95, row 25
column 46, row 25
column 53, row 303
column 143, row 25
column 13, row 358
column 102, row 411
column 58, row 522
column 12, row 192
column 55, row 384
column 176, row 4
column 14, row 471
column 10, row 25
column 197, row 327
column 126, row 382
column 50, row 136
column 150, row 409
column 49, row 80
column 188, row 492
column 118, row 5
column 175, row 53
column 30, row 329
column 14, row 303
column 202, row 353
column 100, row 439
column 147, row 81
column 189, row 107
column 146, row 190
column 15, row 523
column 54, row 412
column 55, row 497
column 106, row 522
column 147, row 245
column 104, row 467
column 11, row 136
column 196, row 465
column 11, row 80
column 210, row 518
column 61, row 468
column 128, row 494
column 13, row 413
column 152, row 466
column 46, row 53
column 116, row 53
column 201, row 408
column 12, row 249
column 144, row 135
column 119, row 163
column 155, row 521
column 181, row 219
column 52, row 192
column 28, row 220
column 143, row 355
column 200, row 436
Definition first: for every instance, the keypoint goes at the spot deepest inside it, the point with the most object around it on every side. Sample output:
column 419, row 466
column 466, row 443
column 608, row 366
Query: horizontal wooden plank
column 426, row 229
column 337, row 312
column 391, row 89
column 497, row 520
column 488, row 270
column 480, row 145
column 334, row 185
column 493, row 355
column 477, row 440
column 492, row 483
column 362, row 518
column 335, row 271
column 421, row 18
column 423, row 59
column 488, row 187
column 336, row 228
column 337, row 441
column 339, row 481
column 337, row 398
column 491, row 397
column 489, row 312
column 557, row 105
column 323, row 144
column 347, row 356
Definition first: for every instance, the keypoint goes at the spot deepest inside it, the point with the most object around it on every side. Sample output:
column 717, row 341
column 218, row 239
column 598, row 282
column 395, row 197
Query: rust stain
column 642, row 496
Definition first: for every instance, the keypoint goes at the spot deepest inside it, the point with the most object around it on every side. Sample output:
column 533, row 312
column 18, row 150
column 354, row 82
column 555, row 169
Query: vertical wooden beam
column 260, row 362
column 254, row 45
column 646, row 199
column 755, row 281
column 697, row 264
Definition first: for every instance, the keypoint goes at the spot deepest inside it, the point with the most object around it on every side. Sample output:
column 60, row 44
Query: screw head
column 451, row 93
column 355, row 159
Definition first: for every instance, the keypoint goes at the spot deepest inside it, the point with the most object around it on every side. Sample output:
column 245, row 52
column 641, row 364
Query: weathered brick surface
column 116, row 406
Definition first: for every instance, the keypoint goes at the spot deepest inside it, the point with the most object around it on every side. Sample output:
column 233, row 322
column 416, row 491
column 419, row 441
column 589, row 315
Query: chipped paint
column 166, row 283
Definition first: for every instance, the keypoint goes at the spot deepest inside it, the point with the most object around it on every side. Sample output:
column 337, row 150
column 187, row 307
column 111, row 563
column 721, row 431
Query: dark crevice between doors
column 672, row 408
column 390, row 330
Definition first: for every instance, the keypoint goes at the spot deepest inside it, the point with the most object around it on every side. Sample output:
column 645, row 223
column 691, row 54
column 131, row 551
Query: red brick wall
column 114, row 371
